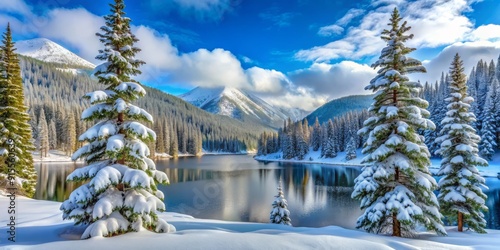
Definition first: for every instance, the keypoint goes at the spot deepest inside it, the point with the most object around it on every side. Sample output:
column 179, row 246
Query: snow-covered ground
column 39, row 225
column 315, row 157
column 53, row 156
column 60, row 156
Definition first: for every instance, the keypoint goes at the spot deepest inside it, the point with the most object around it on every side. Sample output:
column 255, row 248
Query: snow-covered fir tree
column 460, row 194
column 330, row 150
column 489, row 127
column 396, row 188
column 43, row 135
column 120, row 194
column 14, row 120
column 350, row 151
column 316, row 135
column 279, row 212
column 70, row 141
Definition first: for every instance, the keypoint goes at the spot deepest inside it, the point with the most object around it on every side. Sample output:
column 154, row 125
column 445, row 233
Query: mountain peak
column 46, row 50
column 238, row 104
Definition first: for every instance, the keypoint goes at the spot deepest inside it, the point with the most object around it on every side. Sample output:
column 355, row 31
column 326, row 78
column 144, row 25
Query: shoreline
column 57, row 156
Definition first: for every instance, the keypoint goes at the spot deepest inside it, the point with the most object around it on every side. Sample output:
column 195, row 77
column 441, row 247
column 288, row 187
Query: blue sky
column 292, row 53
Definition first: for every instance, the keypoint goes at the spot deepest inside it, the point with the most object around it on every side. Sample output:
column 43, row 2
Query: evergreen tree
column 70, row 135
column 316, row 135
column 396, row 188
column 330, row 145
column 52, row 135
column 121, row 194
column 488, row 142
column 43, row 136
column 280, row 213
column 460, row 194
column 351, row 149
column 14, row 120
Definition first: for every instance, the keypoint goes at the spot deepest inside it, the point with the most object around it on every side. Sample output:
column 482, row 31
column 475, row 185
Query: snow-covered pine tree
column 396, row 188
column 14, row 119
column 330, row 145
column 280, row 213
column 43, row 135
column 70, row 140
column 316, row 135
column 302, row 145
column 350, row 151
column 488, row 142
column 120, row 195
column 460, row 194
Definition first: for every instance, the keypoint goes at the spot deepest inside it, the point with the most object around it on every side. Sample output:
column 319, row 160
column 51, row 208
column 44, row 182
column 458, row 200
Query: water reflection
column 240, row 189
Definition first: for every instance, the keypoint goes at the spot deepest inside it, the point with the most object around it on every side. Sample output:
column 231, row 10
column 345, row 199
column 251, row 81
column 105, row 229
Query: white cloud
column 330, row 30
column 351, row 14
column 337, row 29
column 470, row 52
column 156, row 48
column 15, row 6
column 486, row 32
column 211, row 69
column 297, row 97
column 266, row 80
column 335, row 80
column 76, row 27
column 434, row 23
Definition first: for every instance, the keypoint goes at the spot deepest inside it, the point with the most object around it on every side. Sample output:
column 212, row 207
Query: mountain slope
column 339, row 107
column 239, row 105
column 48, row 51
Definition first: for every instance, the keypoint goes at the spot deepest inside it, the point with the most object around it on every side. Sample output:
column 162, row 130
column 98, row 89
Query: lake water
column 238, row 188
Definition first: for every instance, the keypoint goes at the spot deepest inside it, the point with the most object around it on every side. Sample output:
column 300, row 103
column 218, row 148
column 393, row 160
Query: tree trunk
column 460, row 222
column 396, row 227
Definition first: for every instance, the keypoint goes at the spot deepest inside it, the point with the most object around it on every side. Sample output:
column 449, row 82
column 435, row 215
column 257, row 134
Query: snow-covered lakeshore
column 60, row 156
column 314, row 157
column 39, row 225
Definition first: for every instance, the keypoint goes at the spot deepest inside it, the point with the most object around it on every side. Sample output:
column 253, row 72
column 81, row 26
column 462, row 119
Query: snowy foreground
column 39, row 225
column 315, row 157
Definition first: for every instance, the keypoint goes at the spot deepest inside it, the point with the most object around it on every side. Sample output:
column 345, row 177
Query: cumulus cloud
column 214, row 68
column 486, row 32
column 266, row 80
column 335, row 80
column 76, row 27
column 470, row 52
column 435, row 23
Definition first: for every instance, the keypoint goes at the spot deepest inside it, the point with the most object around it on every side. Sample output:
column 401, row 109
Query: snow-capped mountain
column 240, row 105
column 48, row 51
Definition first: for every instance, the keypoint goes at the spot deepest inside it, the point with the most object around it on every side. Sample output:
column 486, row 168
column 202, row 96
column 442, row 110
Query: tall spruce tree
column 120, row 194
column 488, row 143
column 460, row 194
column 396, row 188
column 14, row 120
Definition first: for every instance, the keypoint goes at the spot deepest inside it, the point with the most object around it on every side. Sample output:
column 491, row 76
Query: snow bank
column 40, row 226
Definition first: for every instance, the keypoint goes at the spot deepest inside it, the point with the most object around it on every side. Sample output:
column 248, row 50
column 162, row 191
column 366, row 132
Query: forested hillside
column 338, row 107
column 180, row 126
column 483, row 85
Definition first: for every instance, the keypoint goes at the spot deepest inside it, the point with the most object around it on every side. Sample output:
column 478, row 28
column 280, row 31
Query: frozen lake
column 238, row 188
